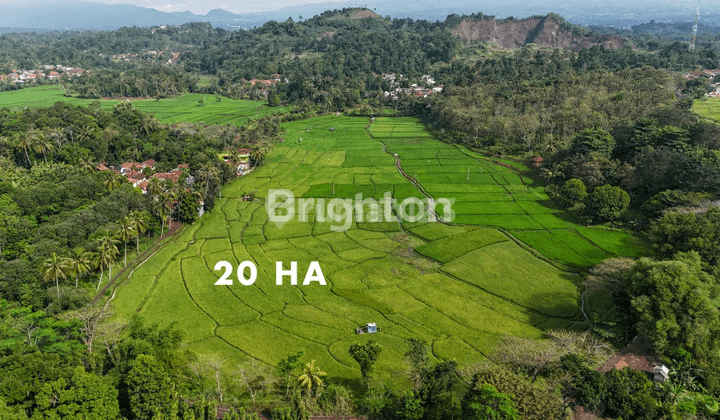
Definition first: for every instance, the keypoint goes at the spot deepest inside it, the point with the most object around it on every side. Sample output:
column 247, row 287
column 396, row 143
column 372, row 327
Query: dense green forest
column 620, row 146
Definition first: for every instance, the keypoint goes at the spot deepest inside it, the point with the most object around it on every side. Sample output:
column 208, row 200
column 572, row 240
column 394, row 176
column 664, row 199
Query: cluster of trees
column 664, row 161
column 673, row 304
column 63, row 220
column 526, row 116
column 157, row 82
column 95, row 49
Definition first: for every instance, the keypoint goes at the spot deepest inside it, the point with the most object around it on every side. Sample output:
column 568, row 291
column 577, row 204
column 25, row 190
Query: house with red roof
column 135, row 175
column 129, row 166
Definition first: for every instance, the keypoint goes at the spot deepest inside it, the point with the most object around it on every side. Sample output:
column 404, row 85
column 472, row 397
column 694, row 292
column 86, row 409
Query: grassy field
column 708, row 108
column 460, row 287
column 185, row 108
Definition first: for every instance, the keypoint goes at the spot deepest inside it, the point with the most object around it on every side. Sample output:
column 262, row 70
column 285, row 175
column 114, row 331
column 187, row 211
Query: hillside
column 545, row 32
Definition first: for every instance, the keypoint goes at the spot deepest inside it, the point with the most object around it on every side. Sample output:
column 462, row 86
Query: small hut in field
column 537, row 161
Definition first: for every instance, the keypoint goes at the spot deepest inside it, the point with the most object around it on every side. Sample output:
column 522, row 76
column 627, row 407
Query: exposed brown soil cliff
column 544, row 32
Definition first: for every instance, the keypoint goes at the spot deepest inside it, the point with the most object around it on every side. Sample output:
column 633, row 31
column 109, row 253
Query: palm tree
column 57, row 135
column 69, row 133
column 79, row 263
column 257, row 156
column 22, row 142
column 88, row 165
column 163, row 209
column 41, row 144
column 125, row 232
column 311, row 377
column 105, row 256
column 113, row 181
column 140, row 225
column 86, row 132
column 148, row 125
column 208, row 173
column 53, row 268
column 155, row 186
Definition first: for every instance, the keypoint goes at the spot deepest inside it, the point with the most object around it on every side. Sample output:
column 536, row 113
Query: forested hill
column 544, row 31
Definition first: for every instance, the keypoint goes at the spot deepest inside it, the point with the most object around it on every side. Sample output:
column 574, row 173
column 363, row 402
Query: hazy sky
column 249, row 6
column 195, row 6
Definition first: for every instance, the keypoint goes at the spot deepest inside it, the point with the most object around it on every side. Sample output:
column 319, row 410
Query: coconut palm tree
column 140, row 226
column 79, row 263
column 257, row 156
column 21, row 141
column 69, row 133
column 163, row 209
column 208, row 173
column 85, row 132
column 125, row 233
column 155, row 186
column 41, row 144
column 53, row 268
column 88, row 165
column 57, row 136
column 113, row 181
column 106, row 255
column 311, row 377
column 148, row 125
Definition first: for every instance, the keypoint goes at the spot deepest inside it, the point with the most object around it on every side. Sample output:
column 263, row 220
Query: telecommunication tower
column 695, row 27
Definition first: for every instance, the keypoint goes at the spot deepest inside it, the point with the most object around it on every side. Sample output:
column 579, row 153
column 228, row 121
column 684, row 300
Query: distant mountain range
column 87, row 15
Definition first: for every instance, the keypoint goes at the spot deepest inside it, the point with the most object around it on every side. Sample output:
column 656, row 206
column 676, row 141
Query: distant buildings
column 47, row 71
column 133, row 172
column 416, row 90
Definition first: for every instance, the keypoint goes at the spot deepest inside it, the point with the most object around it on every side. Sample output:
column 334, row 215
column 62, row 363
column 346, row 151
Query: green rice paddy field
column 505, row 266
column 183, row 108
column 708, row 108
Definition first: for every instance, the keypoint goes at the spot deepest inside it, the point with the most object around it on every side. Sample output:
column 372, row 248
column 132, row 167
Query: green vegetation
column 707, row 108
column 481, row 309
column 183, row 108
column 480, row 285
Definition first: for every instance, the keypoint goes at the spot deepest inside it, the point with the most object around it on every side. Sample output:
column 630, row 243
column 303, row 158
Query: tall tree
column 155, row 186
column 163, row 209
column 151, row 390
column 41, row 144
column 140, row 226
column 79, row 263
column 21, row 142
column 53, row 268
column 209, row 174
column 287, row 365
column 125, row 232
column 187, row 207
column 106, row 255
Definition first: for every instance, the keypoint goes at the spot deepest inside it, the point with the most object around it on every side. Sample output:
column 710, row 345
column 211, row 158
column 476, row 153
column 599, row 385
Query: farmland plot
column 459, row 286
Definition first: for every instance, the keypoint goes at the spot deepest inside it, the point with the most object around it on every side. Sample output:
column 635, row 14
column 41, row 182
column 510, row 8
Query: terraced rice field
column 460, row 287
column 487, row 194
column 185, row 108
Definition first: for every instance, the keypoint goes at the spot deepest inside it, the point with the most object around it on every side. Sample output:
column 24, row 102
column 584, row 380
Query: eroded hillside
column 545, row 32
